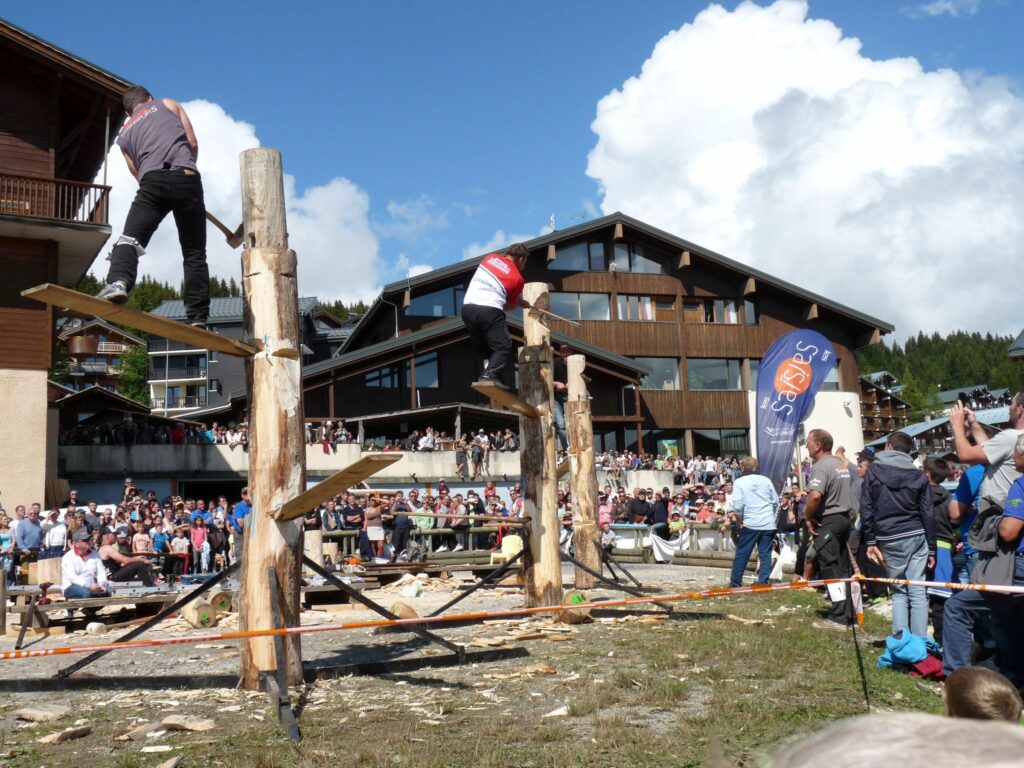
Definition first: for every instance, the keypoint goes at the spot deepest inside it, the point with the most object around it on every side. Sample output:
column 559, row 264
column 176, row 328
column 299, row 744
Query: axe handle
column 234, row 238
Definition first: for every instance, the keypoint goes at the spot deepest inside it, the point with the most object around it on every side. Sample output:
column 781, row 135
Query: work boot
column 495, row 381
column 116, row 292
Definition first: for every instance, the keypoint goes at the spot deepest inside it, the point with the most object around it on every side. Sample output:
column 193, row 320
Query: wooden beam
column 811, row 311
column 502, row 396
column 684, row 259
column 342, row 480
column 542, row 568
column 618, row 231
column 58, row 296
column 277, row 449
column 749, row 286
column 552, row 252
column 406, row 298
column 870, row 338
column 580, row 428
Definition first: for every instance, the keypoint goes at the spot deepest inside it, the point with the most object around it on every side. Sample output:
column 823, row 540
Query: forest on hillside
column 927, row 364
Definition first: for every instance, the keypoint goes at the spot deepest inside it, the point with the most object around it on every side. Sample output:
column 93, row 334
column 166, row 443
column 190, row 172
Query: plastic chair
column 511, row 546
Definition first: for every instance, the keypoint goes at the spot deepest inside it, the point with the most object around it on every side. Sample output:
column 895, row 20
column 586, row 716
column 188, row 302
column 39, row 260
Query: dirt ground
column 724, row 680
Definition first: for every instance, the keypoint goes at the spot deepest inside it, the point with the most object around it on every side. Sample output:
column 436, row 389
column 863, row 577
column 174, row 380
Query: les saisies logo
column 793, row 376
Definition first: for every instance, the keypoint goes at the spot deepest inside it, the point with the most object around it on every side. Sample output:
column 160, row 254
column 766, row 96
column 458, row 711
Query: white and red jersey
column 497, row 283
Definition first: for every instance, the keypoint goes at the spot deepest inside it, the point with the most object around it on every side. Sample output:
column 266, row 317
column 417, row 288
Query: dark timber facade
column 674, row 334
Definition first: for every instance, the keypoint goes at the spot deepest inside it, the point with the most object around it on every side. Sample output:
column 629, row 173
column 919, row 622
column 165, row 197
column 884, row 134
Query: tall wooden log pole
column 580, row 428
column 542, row 568
column 277, row 456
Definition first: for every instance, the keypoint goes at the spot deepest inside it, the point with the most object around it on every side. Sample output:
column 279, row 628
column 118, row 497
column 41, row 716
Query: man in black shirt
column 638, row 508
column 659, row 513
column 351, row 514
column 401, row 524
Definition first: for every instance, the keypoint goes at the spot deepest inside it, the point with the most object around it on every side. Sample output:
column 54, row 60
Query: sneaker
column 442, row 548
column 494, row 382
column 458, row 548
column 201, row 325
column 117, row 292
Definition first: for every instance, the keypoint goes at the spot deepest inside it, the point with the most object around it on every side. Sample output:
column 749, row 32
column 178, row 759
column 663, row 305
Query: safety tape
column 752, row 589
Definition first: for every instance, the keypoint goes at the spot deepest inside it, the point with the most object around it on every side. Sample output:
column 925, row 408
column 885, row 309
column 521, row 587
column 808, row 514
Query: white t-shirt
column 1000, row 473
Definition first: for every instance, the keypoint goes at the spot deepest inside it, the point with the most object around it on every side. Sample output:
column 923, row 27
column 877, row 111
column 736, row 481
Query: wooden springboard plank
column 58, row 296
column 506, row 398
column 340, row 481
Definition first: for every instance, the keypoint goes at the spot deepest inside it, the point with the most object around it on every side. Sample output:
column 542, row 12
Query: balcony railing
column 112, row 347
column 60, row 199
column 176, row 403
column 101, row 369
column 167, row 345
column 160, row 374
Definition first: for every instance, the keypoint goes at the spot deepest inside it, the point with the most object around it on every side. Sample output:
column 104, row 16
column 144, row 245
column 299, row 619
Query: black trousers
column 490, row 337
column 833, row 556
column 160, row 193
column 400, row 539
column 134, row 572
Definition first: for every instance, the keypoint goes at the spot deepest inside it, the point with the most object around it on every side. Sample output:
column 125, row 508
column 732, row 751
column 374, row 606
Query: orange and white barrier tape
column 998, row 589
column 426, row 620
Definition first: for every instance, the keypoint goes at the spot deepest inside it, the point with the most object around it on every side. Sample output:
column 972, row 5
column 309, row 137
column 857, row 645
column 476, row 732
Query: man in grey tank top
column 160, row 148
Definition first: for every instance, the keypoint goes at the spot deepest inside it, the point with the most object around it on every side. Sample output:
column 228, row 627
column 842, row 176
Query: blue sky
column 477, row 113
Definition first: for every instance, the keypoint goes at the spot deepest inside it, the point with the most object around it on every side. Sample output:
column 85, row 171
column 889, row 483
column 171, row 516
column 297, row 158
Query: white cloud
column 954, row 8
column 499, row 240
column 328, row 226
column 404, row 264
column 769, row 137
column 411, row 220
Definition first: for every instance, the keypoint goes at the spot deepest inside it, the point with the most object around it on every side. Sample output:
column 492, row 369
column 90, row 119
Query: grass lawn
column 701, row 688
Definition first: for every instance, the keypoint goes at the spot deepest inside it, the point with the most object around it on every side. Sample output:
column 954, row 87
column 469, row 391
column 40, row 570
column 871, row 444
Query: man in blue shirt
column 965, row 609
column 237, row 522
column 964, row 508
column 29, row 534
column 756, row 503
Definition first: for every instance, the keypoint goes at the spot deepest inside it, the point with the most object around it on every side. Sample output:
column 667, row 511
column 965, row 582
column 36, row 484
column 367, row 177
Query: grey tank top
column 153, row 137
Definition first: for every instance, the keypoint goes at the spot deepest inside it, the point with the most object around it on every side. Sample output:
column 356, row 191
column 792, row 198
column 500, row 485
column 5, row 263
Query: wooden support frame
column 580, row 430
column 552, row 252
column 684, row 259
column 58, row 296
column 542, row 567
column 277, row 446
column 811, row 311
column 749, row 286
column 360, row 470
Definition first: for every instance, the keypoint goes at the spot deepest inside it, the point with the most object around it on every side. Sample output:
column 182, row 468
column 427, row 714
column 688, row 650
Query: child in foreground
column 980, row 694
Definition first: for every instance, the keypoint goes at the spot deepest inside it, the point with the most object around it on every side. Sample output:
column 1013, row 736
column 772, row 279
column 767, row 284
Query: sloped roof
column 952, row 395
column 223, row 310
column 101, row 323
column 455, row 324
column 1017, row 348
column 647, row 229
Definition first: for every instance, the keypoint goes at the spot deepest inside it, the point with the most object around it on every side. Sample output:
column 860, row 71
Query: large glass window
column 635, row 308
column 755, row 369
column 664, row 374
column 580, row 257
column 632, row 257
column 721, row 442
column 713, row 373
column 709, row 310
column 427, row 374
column 446, row 302
column 383, row 378
column 581, row 306
column 750, row 315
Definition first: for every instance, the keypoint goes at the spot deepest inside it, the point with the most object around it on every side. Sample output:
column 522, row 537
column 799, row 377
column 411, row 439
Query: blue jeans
column 748, row 539
column 76, row 592
column 559, row 413
column 908, row 559
column 966, row 609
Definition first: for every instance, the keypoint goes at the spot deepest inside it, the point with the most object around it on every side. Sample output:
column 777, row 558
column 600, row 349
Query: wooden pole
column 277, row 455
column 541, row 560
column 580, row 429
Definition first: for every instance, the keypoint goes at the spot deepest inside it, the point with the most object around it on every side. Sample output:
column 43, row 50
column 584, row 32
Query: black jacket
column 896, row 501
column 944, row 529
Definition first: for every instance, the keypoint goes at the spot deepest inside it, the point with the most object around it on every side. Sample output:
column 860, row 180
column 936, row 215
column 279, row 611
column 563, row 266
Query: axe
column 234, row 238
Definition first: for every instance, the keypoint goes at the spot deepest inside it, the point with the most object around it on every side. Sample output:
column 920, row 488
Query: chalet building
column 673, row 334
column 881, row 410
column 95, row 348
column 975, row 396
column 1016, row 350
column 59, row 115
column 184, row 378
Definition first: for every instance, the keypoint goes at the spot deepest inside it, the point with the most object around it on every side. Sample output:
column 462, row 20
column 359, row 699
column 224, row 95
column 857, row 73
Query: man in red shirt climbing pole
column 496, row 287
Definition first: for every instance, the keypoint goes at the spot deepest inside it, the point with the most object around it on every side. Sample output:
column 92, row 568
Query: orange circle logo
column 793, row 377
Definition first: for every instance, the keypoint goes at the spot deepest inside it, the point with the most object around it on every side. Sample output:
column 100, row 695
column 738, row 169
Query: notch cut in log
column 58, row 296
column 340, row 481
column 504, row 397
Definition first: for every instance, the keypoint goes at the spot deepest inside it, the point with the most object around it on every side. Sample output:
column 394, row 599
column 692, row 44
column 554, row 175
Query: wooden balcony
column 55, row 199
